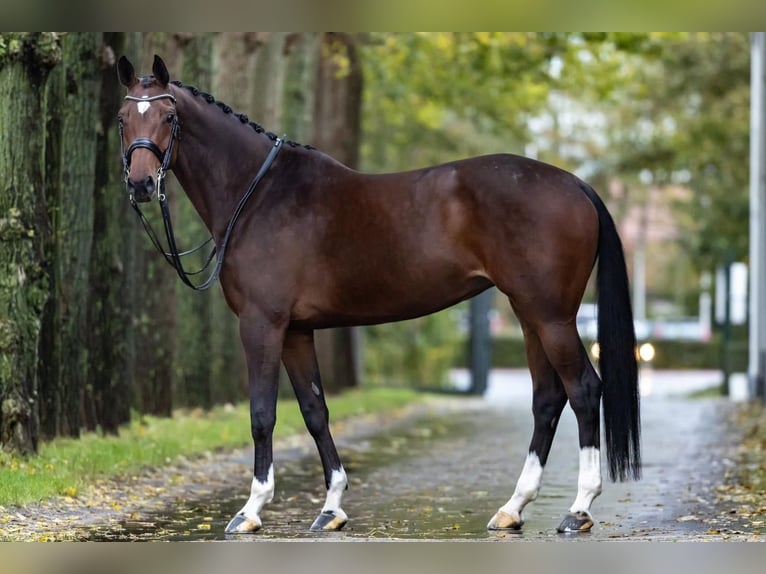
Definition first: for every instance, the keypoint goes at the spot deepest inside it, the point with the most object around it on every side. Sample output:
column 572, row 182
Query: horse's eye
column 169, row 117
column 119, row 119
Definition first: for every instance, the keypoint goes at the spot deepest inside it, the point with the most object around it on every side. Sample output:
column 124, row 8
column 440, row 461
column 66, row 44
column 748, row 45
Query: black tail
column 617, row 358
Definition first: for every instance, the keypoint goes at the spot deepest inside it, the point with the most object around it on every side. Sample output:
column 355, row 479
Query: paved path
column 444, row 475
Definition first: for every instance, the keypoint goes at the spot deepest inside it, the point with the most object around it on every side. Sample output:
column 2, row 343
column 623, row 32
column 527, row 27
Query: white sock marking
column 589, row 480
column 260, row 494
column 527, row 486
column 338, row 482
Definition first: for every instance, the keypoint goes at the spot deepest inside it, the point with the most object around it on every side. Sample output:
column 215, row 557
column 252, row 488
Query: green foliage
column 66, row 466
column 432, row 97
column 418, row 353
column 676, row 109
column 507, row 353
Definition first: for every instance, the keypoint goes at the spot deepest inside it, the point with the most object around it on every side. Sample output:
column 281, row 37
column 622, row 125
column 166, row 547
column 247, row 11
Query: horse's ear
column 126, row 72
column 160, row 71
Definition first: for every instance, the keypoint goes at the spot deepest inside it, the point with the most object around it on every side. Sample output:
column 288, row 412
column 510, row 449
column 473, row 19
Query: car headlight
column 646, row 352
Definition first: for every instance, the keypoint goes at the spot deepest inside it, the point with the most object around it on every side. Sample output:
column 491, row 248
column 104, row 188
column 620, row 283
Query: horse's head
column 148, row 128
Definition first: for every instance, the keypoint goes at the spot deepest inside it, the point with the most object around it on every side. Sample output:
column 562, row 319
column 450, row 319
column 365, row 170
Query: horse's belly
column 371, row 303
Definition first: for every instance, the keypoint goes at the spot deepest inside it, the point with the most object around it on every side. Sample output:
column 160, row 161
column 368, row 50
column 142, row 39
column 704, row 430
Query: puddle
column 376, row 510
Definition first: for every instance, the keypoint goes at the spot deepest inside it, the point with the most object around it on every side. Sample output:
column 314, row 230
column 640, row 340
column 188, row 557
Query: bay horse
column 319, row 245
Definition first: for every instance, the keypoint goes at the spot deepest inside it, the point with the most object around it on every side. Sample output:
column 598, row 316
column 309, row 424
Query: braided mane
column 241, row 117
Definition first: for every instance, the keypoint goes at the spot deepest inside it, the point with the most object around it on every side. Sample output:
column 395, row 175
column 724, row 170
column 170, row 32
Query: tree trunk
column 73, row 99
column 268, row 80
column 337, row 126
column 111, row 357
column 234, row 57
column 194, row 308
column 302, row 52
column 25, row 62
column 155, row 311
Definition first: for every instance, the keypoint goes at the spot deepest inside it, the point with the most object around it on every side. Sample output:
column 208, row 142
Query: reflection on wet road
column 444, row 476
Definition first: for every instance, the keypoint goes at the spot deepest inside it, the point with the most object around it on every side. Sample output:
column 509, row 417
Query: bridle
column 173, row 256
column 147, row 143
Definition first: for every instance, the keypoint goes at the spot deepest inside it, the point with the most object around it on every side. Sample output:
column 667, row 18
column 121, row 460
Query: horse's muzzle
column 142, row 190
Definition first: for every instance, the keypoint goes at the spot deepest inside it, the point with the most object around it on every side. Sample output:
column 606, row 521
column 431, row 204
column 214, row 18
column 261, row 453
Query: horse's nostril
column 141, row 189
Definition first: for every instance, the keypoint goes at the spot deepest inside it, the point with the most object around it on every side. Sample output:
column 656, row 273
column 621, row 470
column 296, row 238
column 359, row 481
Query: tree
column 674, row 113
column 234, row 60
column 434, row 97
column 73, row 114
column 155, row 310
column 112, row 293
column 194, row 327
column 26, row 60
column 337, row 131
column 302, row 53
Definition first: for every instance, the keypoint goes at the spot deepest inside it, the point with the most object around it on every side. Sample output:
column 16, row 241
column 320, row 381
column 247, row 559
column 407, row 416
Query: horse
column 318, row 245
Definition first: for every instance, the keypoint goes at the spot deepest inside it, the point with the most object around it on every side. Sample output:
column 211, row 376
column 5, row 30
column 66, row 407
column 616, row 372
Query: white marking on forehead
column 143, row 106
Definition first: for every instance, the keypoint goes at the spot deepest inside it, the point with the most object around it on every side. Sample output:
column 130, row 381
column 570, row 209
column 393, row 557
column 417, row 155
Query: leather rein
column 172, row 255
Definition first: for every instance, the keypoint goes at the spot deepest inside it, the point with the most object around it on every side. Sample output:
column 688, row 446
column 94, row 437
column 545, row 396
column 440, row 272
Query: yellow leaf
column 203, row 526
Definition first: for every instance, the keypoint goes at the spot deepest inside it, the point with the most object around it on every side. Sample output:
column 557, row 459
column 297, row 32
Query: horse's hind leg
column 548, row 401
column 565, row 350
column 299, row 358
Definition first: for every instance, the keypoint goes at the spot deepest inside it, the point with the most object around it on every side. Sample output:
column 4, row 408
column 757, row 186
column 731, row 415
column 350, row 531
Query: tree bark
column 154, row 313
column 268, row 80
column 337, row 128
column 25, row 62
column 302, row 53
column 111, row 360
column 73, row 100
column 234, row 57
column 194, row 308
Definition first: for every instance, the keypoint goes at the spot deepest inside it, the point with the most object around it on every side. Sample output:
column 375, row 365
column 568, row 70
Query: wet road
column 444, row 475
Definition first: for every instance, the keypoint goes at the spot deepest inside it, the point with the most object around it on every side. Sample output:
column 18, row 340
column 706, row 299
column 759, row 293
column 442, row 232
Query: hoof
column 576, row 522
column 329, row 521
column 241, row 524
column 504, row 521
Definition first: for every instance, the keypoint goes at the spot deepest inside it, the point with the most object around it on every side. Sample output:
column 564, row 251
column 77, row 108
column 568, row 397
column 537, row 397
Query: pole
column 757, row 325
column 726, row 331
column 481, row 343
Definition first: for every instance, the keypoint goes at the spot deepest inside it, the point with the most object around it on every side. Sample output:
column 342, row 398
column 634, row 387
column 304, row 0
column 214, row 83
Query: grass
column 64, row 467
column 708, row 393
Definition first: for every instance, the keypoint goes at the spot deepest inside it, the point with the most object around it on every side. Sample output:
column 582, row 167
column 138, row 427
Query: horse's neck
column 215, row 167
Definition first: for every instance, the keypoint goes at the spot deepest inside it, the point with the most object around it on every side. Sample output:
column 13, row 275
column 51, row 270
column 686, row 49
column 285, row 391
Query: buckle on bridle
column 161, row 184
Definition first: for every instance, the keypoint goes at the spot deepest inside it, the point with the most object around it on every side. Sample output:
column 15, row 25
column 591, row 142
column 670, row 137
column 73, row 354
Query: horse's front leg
column 262, row 340
column 301, row 364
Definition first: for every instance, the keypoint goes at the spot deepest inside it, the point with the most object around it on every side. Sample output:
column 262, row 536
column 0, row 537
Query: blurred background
column 96, row 328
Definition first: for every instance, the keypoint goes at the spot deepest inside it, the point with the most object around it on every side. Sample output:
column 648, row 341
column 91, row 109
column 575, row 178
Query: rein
column 173, row 256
